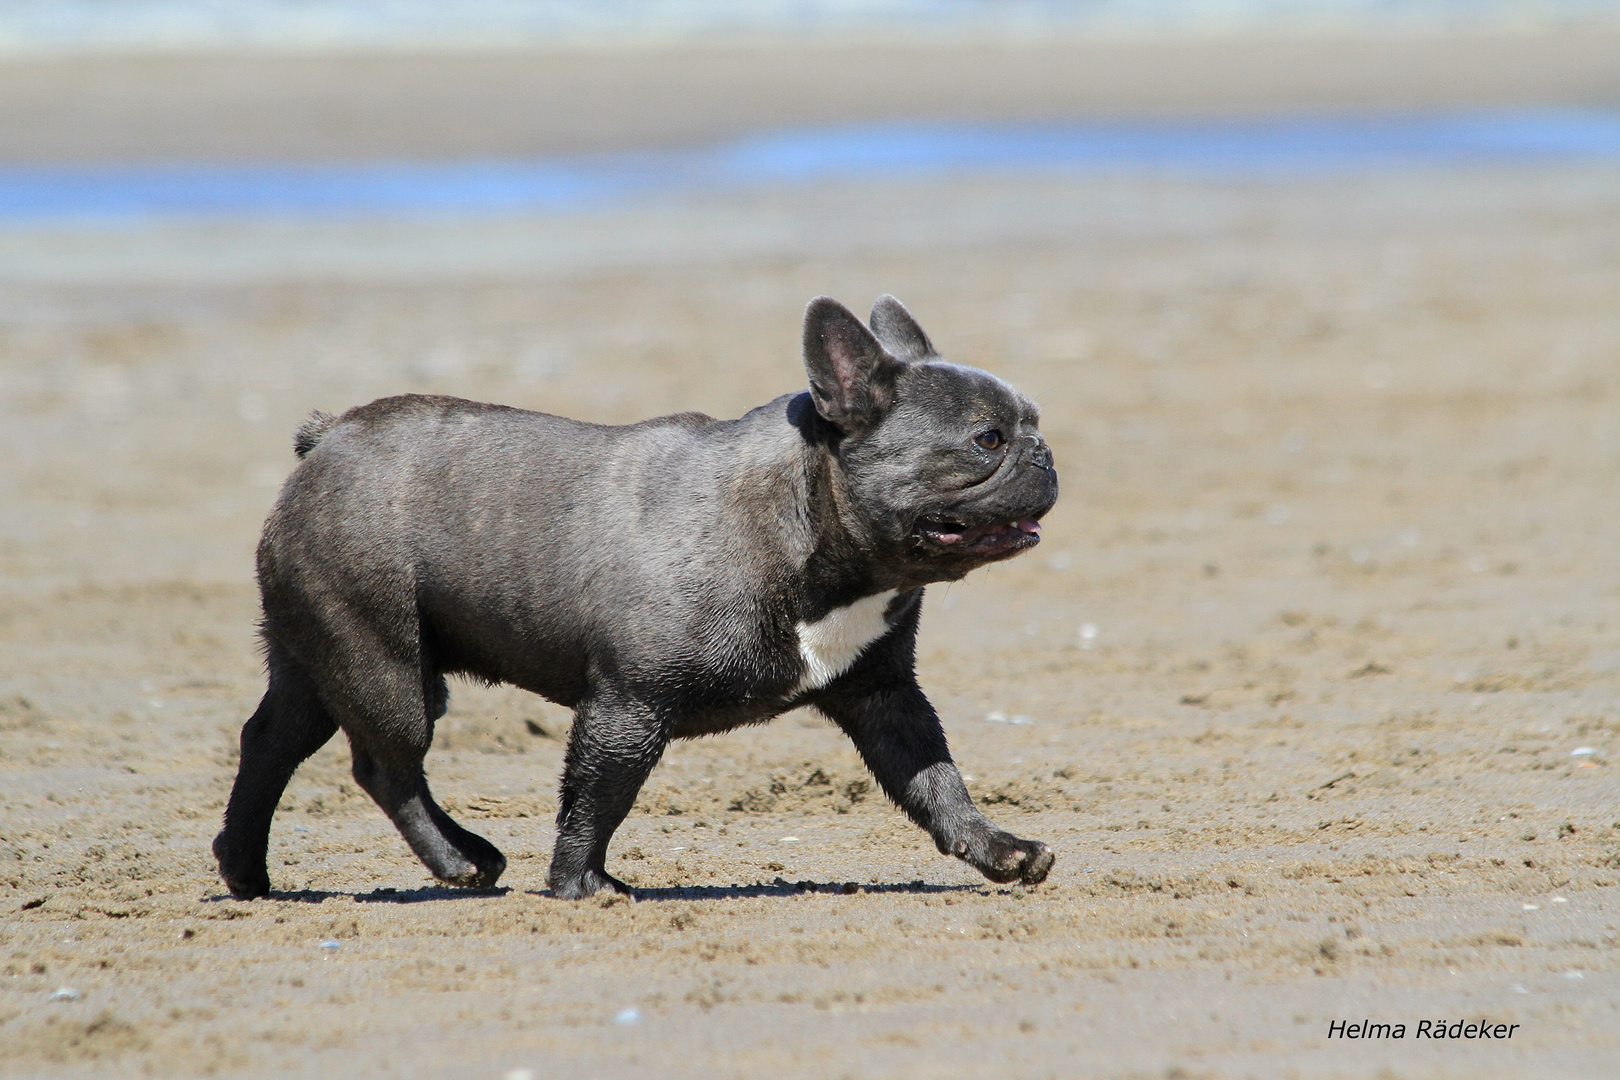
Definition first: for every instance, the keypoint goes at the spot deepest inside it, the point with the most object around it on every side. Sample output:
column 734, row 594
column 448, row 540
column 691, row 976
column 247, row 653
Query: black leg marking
column 451, row 853
column 898, row 735
column 613, row 747
column 289, row 725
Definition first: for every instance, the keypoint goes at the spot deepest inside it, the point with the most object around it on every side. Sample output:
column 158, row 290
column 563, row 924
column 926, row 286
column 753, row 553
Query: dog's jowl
column 672, row 578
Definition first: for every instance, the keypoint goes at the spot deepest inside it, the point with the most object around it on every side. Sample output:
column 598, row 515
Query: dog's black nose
column 1041, row 456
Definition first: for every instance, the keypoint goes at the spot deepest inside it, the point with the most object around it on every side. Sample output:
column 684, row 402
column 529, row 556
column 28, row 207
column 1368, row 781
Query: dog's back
column 517, row 545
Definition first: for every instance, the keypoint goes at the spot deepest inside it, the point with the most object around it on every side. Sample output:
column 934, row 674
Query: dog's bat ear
column 898, row 331
column 851, row 377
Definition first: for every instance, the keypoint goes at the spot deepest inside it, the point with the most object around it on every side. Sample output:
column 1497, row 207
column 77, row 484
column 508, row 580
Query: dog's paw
column 1007, row 858
column 477, row 864
column 245, row 877
column 587, row 885
column 473, row 876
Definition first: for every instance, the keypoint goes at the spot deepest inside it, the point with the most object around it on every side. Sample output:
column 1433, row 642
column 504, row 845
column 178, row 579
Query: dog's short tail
column 309, row 433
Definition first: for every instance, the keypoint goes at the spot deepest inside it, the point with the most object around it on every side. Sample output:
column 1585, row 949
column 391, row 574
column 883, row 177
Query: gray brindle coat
column 672, row 578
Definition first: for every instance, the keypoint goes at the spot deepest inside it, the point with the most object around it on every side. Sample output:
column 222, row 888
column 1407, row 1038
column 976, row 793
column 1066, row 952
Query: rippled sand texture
column 1311, row 685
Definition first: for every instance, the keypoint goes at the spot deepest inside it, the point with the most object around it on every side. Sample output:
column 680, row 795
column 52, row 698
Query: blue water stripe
column 1276, row 148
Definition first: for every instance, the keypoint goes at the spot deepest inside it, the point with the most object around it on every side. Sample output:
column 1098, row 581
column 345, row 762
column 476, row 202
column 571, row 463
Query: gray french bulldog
column 668, row 579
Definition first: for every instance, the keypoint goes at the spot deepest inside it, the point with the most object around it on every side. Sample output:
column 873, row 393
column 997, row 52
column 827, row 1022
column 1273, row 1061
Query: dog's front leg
column 899, row 737
column 615, row 742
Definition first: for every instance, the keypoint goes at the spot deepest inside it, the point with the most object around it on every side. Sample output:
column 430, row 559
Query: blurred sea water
column 1276, row 148
column 900, row 186
column 57, row 25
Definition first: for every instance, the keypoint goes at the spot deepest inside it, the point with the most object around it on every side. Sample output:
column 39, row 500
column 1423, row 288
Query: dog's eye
column 990, row 440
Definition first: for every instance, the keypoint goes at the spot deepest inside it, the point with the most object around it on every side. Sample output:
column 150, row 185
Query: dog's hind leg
column 451, row 853
column 389, row 744
column 289, row 725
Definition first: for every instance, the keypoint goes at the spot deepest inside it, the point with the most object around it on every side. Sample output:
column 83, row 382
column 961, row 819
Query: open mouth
column 999, row 538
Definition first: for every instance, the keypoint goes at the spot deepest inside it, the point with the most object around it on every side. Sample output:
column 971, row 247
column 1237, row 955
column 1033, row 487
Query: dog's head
column 942, row 467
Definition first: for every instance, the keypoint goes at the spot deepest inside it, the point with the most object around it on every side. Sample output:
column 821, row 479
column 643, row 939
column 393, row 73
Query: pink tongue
column 1031, row 526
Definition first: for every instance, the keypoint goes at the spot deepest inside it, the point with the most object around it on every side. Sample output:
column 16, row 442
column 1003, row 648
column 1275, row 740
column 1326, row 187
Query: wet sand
column 1311, row 684
column 415, row 106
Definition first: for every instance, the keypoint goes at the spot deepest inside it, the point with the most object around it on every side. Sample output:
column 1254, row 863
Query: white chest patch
column 833, row 642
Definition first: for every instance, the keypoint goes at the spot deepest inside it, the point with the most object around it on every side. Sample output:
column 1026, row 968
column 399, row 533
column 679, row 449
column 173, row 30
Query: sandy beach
column 1311, row 684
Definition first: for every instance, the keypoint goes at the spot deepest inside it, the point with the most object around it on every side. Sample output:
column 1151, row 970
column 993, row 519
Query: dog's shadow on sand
column 777, row 888
column 781, row 888
column 423, row 895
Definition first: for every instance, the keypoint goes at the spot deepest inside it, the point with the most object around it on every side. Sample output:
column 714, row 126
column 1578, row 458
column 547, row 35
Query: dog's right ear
column 851, row 377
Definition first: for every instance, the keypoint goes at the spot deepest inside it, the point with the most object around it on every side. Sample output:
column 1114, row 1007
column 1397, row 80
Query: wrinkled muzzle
column 1005, row 516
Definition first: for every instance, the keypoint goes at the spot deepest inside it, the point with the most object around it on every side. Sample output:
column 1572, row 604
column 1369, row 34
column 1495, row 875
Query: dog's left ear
column 898, row 331
column 851, row 376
